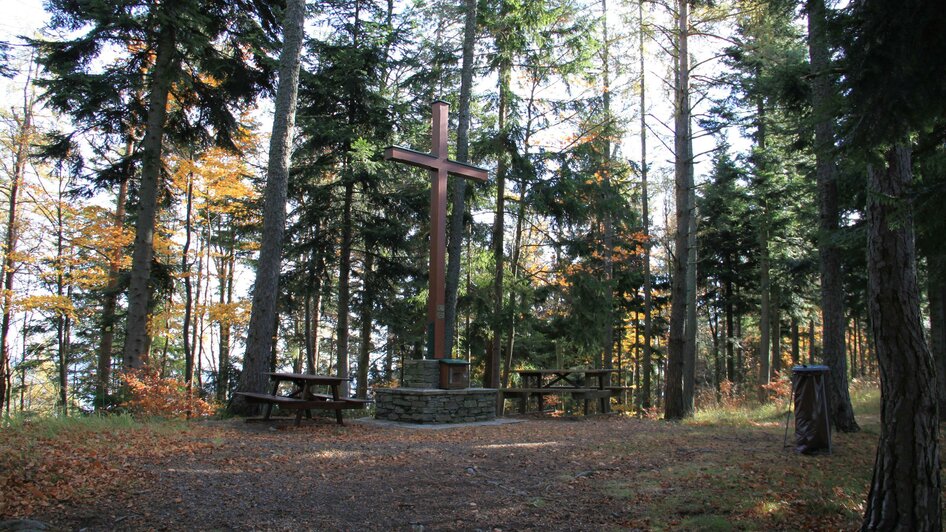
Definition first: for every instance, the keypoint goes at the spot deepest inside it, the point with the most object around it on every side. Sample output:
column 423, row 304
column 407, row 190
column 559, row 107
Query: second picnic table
column 301, row 398
column 542, row 382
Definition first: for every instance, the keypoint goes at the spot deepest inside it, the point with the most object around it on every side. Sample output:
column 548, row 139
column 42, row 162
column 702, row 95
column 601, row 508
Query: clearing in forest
column 602, row 472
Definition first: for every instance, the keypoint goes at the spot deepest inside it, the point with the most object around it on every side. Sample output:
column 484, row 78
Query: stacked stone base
column 424, row 405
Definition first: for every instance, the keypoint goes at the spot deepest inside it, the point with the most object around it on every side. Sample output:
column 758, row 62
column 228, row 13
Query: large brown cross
column 439, row 166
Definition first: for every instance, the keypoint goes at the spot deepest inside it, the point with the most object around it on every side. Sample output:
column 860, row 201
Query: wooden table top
column 306, row 377
column 559, row 371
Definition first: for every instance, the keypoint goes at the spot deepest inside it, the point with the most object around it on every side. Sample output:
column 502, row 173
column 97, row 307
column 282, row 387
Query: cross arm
column 410, row 157
column 429, row 162
column 466, row 170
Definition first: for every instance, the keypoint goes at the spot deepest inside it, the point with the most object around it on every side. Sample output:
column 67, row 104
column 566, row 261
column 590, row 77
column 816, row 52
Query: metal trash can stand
column 812, row 418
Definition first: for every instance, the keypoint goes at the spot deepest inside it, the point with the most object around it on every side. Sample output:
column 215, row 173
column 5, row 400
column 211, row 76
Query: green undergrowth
column 865, row 399
column 53, row 426
column 741, row 415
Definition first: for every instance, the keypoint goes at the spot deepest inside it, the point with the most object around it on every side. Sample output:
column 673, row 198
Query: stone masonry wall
column 421, row 374
column 415, row 405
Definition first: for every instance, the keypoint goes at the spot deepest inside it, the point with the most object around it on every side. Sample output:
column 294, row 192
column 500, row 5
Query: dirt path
column 541, row 474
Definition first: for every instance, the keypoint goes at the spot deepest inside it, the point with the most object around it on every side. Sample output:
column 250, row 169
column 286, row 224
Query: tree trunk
column 765, row 287
column 22, row 141
column 455, row 241
column 137, row 336
column 313, row 309
column 607, row 353
column 296, row 352
column 164, row 360
column 690, row 351
column 852, row 348
column 905, row 488
column 203, row 294
column 226, row 298
column 491, row 376
column 740, row 351
column 364, row 353
column 832, row 289
column 467, row 330
column 936, row 268
column 811, row 341
column 638, row 358
column 388, row 358
column 22, row 379
column 274, row 353
column 794, row 332
column 110, row 299
column 260, row 340
column 70, row 291
column 344, row 289
column 777, row 332
column 730, row 332
column 713, row 321
column 514, row 273
column 674, row 407
column 861, row 348
column 62, row 319
column 645, row 218
column 188, row 289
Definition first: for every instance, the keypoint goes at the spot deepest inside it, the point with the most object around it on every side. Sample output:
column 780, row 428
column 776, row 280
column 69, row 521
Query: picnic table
column 584, row 384
column 302, row 398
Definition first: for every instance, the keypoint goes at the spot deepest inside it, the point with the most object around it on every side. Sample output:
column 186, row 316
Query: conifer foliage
column 193, row 60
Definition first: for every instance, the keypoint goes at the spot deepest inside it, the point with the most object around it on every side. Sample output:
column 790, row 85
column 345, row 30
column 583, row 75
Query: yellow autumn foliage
column 97, row 233
column 46, row 303
column 218, row 179
column 237, row 313
column 89, row 277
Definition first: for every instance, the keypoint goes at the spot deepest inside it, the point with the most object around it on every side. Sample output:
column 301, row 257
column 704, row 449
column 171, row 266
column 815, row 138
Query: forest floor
column 721, row 471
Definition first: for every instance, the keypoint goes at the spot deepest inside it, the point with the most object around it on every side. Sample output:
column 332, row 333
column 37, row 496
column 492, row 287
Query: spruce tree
column 832, row 289
column 455, row 240
column 344, row 123
column 193, row 59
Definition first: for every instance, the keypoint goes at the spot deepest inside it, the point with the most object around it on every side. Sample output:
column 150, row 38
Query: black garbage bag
column 812, row 418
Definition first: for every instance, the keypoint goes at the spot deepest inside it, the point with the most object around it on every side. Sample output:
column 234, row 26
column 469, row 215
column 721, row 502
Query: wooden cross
column 439, row 166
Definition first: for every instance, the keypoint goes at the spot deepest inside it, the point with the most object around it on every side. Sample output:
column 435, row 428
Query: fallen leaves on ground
column 593, row 473
column 42, row 469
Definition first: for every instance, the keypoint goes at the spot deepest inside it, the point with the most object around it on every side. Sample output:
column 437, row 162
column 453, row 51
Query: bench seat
column 618, row 391
column 281, row 400
column 584, row 394
column 528, row 391
column 591, row 393
column 318, row 401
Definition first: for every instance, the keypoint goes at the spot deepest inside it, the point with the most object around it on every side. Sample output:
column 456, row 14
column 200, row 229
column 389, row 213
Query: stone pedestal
column 421, row 400
column 432, row 405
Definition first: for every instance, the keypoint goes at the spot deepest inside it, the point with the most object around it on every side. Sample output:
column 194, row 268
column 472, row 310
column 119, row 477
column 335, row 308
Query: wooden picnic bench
column 301, row 398
column 541, row 382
